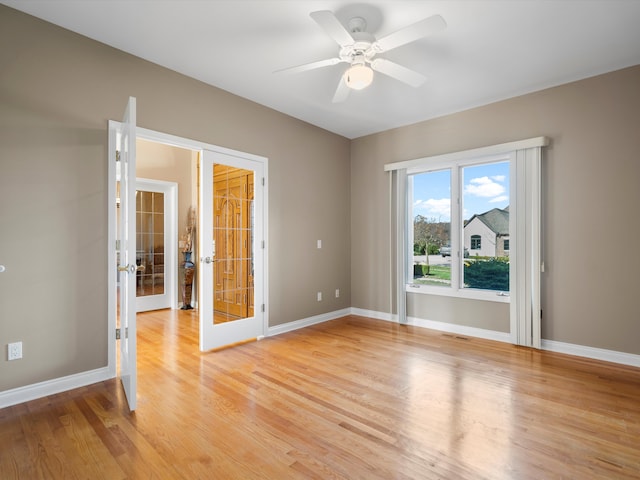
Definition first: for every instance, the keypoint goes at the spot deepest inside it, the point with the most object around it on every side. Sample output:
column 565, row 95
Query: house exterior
column 487, row 234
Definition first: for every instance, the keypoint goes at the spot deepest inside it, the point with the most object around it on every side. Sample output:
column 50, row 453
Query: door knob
column 2, row 269
column 207, row 260
column 127, row 268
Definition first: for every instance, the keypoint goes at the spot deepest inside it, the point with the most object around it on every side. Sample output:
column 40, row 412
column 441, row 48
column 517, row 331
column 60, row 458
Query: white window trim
column 525, row 168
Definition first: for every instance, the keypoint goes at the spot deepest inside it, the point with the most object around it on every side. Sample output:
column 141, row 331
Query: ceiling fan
column 359, row 49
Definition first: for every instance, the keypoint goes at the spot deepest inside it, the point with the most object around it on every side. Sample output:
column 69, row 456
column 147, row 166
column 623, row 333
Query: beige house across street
column 487, row 234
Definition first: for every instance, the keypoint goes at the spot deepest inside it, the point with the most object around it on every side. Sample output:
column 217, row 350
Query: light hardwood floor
column 350, row 398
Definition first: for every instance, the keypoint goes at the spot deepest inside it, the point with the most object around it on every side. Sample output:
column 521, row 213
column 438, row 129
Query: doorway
column 235, row 254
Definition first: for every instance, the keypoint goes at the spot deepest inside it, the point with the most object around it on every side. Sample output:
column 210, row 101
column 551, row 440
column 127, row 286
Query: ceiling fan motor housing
column 362, row 47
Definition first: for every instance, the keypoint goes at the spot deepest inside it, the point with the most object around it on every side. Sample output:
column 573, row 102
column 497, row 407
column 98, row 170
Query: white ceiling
column 490, row 50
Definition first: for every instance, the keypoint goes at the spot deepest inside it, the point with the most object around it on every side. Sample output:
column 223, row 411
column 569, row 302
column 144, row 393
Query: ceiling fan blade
column 342, row 92
column 310, row 66
column 398, row 72
column 330, row 24
column 411, row 33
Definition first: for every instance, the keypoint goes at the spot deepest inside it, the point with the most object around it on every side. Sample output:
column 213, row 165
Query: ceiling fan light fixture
column 358, row 77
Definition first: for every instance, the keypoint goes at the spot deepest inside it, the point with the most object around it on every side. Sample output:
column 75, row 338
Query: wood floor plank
column 353, row 398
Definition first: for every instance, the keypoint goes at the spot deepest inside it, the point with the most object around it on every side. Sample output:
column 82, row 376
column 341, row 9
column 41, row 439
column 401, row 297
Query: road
column 433, row 259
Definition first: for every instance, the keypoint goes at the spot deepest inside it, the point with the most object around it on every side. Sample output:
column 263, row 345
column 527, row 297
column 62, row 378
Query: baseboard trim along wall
column 550, row 345
column 592, row 352
column 306, row 322
column 50, row 387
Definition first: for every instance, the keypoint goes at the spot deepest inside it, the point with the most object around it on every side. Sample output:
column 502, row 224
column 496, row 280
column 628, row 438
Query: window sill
column 470, row 294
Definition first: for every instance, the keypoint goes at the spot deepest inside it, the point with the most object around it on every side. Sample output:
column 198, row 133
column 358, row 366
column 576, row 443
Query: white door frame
column 170, row 298
column 189, row 144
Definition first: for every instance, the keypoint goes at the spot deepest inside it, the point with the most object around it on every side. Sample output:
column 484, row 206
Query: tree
column 429, row 234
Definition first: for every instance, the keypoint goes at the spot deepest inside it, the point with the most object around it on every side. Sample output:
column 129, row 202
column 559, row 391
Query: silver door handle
column 207, row 260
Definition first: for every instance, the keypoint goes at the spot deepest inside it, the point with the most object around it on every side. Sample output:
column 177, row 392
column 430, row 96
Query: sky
column 485, row 187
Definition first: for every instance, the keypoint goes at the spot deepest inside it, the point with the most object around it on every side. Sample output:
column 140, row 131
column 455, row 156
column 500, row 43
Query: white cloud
column 440, row 209
column 499, row 178
column 501, row 198
column 484, row 187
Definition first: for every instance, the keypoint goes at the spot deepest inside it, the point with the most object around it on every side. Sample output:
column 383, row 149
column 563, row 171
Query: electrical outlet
column 14, row 351
column 319, row 296
column 337, row 293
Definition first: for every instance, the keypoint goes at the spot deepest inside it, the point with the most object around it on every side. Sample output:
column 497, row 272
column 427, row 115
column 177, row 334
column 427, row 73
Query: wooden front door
column 233, row 271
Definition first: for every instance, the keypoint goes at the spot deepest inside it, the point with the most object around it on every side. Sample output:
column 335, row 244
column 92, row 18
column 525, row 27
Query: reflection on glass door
column 233, row 195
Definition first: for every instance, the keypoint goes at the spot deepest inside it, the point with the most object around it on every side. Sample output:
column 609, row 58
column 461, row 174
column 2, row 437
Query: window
column 506, row 245
column 453, row 213
column 523, row 207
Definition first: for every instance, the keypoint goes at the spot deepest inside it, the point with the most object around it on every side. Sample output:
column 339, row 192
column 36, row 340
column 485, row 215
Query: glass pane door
column 231, row 275
column 233, row 243
column 150, row 226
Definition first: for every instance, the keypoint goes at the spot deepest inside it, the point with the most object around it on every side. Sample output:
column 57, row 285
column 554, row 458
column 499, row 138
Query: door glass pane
column 430, row 217
column 486, row 226
column 150, row 243
column 233, row 243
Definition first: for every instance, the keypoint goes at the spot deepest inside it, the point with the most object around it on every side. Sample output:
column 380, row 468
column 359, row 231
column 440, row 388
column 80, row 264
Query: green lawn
column 438, row 275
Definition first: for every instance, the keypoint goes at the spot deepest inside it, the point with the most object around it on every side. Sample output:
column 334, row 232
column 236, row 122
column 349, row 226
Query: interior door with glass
column 231, row 246
column 155, row 245
column 126, row 188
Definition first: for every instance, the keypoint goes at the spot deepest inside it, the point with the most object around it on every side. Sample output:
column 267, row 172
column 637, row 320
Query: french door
column 125, row 157
column 231, row 249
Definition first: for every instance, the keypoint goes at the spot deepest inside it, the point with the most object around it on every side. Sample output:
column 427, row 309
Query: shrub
column 490, row 274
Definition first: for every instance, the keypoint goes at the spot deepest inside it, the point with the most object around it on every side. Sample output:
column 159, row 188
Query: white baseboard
column 440, row 326
column 305, row 322
column 461, row 329
column 550, row 345
column 592, row 352
column 50, row 387
column 388, row 317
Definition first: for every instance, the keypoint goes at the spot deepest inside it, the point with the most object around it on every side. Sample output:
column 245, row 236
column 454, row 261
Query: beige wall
column 57, row 92
column 591, row 196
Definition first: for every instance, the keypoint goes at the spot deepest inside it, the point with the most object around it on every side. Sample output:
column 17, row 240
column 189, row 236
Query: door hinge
column 117, row 334
column 117, row 155
column 263, row 181
column 262, row 307
column 262, row 243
